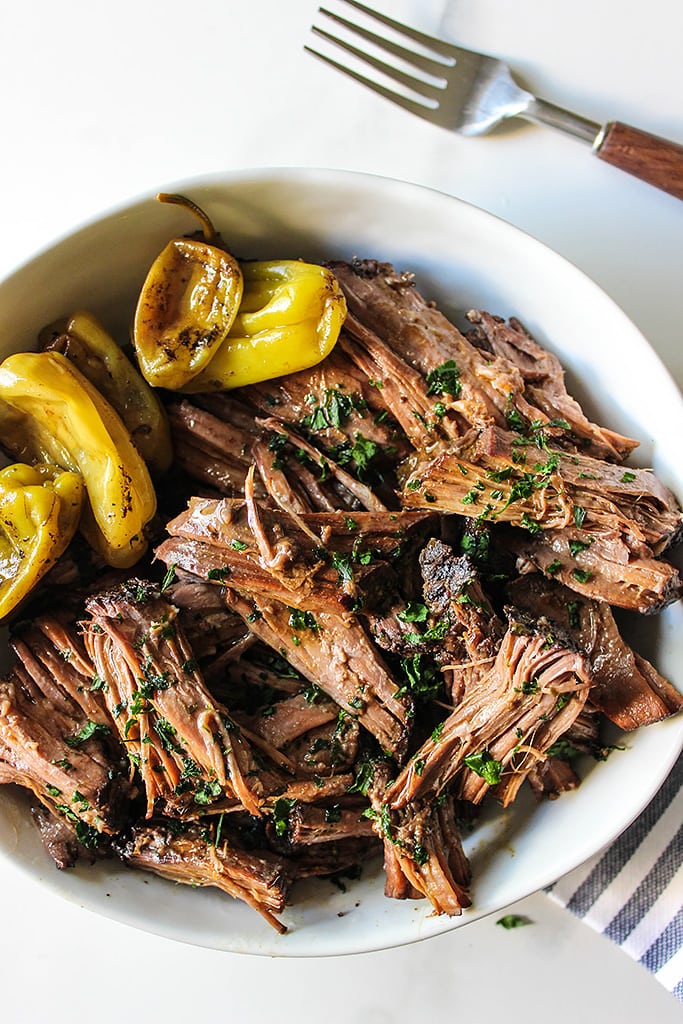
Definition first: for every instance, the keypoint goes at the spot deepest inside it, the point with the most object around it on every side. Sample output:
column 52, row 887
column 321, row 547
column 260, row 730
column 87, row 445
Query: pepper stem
column 177, row 200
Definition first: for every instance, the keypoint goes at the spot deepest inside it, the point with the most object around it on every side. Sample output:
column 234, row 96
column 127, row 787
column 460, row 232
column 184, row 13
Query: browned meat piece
column 211, row 450
column 425, row 420
column 537, row 686
column 286, row 720
column 330, row 748
column 388, row 303
column 453, row 592
column 59, row 838
column 335, row 654
column 314, row 790
column 507, row 477
column 396, row 884
column 187, row 748
column 300, row 559
column 300, row 478
column 593, row 525
column 626, row 688
column 51, row 748
column 551, row 777
column 332, row 402
column 607, row 573
column 263, row 552
column 544, row 383
column 555, row 775
column 390, row 632
column 214, row 633
column 423, row 854
column 57, row 834
column 338, row 859
column 309, row 824
column 55, row 658
column 184, row 854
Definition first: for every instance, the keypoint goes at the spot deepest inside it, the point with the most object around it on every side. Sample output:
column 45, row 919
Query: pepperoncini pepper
column 193, row 333
column 289, row 319
column 186, row 307
column 50, row 412
column 85, row 343
column 40, row 508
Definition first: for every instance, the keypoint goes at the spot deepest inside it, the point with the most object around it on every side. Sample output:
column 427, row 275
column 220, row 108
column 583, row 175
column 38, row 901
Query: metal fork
column 471, row 93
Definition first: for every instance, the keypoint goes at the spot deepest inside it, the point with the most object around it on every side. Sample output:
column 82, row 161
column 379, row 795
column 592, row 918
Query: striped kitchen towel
column 633, row 891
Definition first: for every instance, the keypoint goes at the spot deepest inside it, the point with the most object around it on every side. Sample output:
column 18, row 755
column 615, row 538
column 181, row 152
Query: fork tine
column 417, row 85
column 418, row 60
column 437, row 45
column 395, row 97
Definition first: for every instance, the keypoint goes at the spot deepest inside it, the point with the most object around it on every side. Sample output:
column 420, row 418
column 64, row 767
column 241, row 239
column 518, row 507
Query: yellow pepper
column 40, row 508
column 186, row 307
column 85, row 343
column 289, row 319
column 50, row 412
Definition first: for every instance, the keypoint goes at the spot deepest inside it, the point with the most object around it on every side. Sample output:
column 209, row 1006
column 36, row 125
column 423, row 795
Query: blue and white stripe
column 633, row 891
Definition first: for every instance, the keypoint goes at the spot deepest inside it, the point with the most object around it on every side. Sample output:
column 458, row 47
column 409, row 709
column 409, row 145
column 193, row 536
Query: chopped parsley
column 579, row 516
column 445, row 380
column 573, row 614
column 89, row 730
column 281, row 812
column 87, row 835
column 423, row 676
column 420, row 854
column 582, row 575
column 500, row 475
column 342, row 563
column 436, row 733
column 436, row 632
column 218, row 574
column 166, row 733
column 335, row 410
column 299, row 619
column 414, row 611
column 576, row 546
column 364, row 774
column 484, row 765
column 169, row 577
column 475, row 543
column 512, row 921
column 206, row 791
column 628, row 478
column 530, row 524
column 333, row 814
column 553, row 568
column 514, row 420
column 276, row 444
column 563, row 750
column 362, row 451
column 238, row 545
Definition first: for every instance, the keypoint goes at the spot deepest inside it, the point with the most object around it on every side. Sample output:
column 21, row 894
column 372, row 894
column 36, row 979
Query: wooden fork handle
column 655, row 160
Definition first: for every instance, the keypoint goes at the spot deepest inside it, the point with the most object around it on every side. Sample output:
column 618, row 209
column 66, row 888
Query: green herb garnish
column 484, row 765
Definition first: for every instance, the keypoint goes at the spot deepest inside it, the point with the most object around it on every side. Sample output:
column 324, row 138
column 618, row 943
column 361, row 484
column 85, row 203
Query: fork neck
column 543, row 112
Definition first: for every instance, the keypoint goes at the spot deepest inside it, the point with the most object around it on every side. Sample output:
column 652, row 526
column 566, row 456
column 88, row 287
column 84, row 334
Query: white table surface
column 101, row 101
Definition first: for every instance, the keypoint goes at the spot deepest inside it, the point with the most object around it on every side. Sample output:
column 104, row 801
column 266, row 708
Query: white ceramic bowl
column 464, row 258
